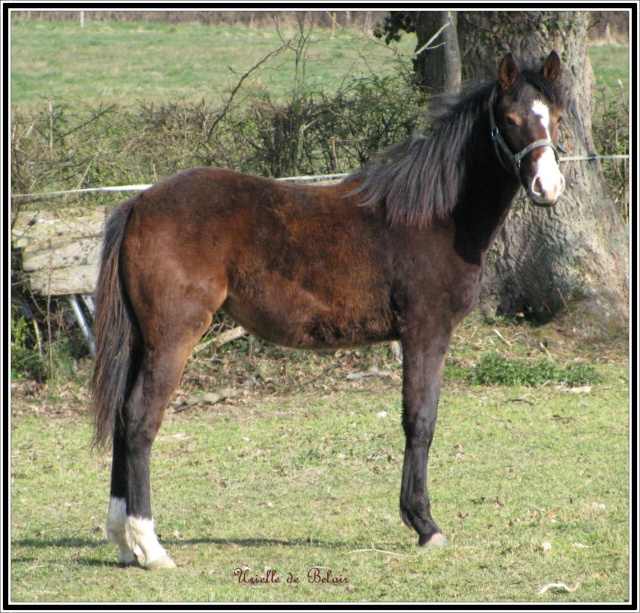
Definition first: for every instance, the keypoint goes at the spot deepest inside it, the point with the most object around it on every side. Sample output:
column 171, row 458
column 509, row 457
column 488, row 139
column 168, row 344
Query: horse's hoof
column 437, row 540
column 128, row 559
column 161, row 562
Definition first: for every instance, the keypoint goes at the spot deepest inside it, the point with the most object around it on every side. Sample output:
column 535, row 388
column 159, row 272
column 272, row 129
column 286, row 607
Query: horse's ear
column 552, row 68
column 508, row 71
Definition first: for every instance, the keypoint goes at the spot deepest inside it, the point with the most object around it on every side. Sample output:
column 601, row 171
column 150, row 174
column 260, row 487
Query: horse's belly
column 307, row 323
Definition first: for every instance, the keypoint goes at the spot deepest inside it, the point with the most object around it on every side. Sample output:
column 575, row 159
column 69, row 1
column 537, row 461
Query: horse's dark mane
column 419, row 179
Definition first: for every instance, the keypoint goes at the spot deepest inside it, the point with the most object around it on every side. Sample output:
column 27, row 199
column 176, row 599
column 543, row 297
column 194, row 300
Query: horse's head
column 524, row 127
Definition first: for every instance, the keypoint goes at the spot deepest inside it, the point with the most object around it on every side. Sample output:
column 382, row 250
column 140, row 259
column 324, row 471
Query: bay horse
column 394, row 252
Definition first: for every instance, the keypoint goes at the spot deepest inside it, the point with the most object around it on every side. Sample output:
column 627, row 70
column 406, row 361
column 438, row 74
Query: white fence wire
column 310, row 178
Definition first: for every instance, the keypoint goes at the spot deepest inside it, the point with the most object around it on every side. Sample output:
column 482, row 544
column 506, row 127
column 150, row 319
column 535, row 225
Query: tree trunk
column 570, row 261
column 437, row 66
column 453, row 67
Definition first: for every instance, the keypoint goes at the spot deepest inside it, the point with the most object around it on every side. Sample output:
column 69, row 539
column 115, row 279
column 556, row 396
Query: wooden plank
column 33, row 228
column 63, row 281
column 78, row 252
column 60, row 249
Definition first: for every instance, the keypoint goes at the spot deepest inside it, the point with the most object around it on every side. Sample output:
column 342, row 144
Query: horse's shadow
column 260, row 542
column 222, row 543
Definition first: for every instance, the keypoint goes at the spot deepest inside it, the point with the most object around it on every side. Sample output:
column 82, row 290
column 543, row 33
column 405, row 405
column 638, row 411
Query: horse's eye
column 560, row 119
column 513, row 119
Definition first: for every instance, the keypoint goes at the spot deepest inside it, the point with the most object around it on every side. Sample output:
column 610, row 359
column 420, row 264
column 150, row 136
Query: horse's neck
column 483, row 206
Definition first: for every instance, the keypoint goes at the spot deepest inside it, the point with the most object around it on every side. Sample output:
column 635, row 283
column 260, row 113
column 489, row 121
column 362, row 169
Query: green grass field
column 529, row 484
column 116, row 62
column 125, row 62
column 611, row 66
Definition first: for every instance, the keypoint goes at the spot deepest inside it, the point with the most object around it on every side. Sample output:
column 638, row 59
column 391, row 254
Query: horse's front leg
column 423, row 363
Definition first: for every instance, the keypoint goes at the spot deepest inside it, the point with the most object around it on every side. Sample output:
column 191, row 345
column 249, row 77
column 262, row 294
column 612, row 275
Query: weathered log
column 60, row 249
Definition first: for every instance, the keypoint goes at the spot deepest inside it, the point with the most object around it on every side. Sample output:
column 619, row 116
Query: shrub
column 611, row 137
column 26, row 357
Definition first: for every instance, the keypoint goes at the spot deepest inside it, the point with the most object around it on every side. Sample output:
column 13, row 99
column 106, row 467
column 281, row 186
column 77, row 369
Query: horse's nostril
column 537, row 187
column 546, row 191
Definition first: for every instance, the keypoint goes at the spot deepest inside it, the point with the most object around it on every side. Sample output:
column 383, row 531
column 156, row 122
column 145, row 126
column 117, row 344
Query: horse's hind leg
column 116, row 526
column 130, row 522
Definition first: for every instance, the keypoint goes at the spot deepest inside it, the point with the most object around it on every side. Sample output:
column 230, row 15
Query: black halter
column 515, row 159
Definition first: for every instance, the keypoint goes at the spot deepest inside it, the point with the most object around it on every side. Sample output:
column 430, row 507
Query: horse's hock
column 60, row 253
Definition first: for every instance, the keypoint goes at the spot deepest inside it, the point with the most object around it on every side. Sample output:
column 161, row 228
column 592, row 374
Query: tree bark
column 570, row 261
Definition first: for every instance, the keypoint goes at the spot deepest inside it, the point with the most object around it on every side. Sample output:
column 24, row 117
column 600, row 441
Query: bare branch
column 427, row 45
column 234, row 91
column 221, row 339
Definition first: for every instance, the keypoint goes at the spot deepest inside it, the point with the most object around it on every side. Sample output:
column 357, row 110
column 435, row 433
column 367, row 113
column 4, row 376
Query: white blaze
column 540, row 109
column 548, row 182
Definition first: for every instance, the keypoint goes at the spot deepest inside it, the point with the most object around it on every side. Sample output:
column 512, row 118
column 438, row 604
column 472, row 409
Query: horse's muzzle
column 548, row 183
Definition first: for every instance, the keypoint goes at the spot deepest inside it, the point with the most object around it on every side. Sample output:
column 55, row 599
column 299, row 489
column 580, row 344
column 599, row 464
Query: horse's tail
column 116, row 332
